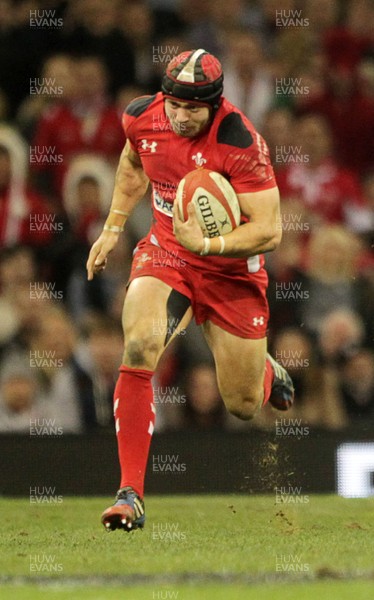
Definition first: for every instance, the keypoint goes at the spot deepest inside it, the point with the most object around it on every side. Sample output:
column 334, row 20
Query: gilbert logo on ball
column 216, row 203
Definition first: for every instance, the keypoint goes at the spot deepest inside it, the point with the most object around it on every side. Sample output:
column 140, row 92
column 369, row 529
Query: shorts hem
column 165, row 279
column 233, row 330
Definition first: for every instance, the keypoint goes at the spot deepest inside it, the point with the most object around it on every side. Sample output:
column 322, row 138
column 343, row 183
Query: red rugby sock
column 134, row 415
column 268, row 381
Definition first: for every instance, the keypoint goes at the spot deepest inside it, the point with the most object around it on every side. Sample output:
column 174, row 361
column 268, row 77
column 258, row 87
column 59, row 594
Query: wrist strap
column 113, row 228
column 206, row 247
column 222, row 242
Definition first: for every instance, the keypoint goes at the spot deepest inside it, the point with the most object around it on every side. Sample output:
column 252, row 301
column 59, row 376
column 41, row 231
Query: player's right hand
column 98, row 256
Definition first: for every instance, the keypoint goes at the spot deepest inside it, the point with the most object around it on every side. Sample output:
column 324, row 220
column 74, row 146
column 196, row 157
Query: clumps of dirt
column 270, row 476
column 356, row 526
column 328, row 573
column 283, row 518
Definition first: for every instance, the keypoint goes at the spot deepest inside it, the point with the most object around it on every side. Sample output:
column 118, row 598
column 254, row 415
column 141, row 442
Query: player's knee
column 141, row 353
column 244, row 405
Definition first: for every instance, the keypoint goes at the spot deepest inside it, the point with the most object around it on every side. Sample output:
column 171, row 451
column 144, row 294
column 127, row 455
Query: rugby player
column 187, row 125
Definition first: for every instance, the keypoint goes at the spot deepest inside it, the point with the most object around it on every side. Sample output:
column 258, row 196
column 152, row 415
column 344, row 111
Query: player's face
column 187, row 119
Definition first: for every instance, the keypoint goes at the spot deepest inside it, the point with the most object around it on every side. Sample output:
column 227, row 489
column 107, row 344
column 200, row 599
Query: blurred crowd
column 303, row 72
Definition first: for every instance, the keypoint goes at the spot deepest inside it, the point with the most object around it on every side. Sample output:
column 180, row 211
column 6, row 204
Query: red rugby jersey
column 231, row 146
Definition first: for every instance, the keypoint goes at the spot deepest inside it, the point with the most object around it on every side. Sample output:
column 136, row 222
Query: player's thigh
column 240, row 365
column 153, row 314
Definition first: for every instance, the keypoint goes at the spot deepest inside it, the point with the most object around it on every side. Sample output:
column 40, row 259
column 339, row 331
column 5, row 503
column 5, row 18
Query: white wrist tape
column 206, row 247
column 113, row 228
column 222, row 242
column 119, row 212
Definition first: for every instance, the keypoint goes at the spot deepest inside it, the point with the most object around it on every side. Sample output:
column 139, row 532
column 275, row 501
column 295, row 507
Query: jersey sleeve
column 130, row 115
column 127, row 122
column 247, row 162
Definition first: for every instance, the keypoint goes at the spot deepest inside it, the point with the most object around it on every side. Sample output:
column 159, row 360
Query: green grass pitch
column 192, row 548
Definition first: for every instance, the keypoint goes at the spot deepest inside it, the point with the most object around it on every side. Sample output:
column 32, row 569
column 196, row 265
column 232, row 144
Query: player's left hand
column 188, row 233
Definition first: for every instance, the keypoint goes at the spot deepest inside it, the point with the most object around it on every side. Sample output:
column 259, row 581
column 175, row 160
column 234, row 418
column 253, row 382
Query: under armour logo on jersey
column 258, row 321
column 199, row 160
column 152, row 146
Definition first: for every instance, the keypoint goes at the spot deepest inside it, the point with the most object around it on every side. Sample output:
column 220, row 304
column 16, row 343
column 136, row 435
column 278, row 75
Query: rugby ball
column 216, row 203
